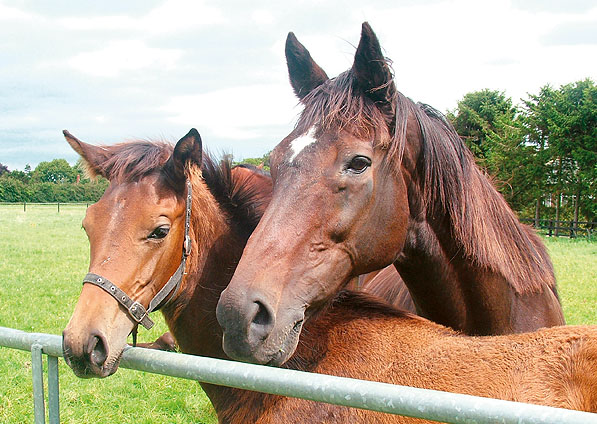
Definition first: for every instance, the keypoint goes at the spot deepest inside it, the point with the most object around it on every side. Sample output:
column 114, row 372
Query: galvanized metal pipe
column 53, row 391
column 389, row 398
column 17, row 339
column 402, row 400
column 37, row 369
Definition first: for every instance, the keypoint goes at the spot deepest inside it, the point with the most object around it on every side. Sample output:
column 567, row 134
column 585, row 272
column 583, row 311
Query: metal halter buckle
column 137, row 311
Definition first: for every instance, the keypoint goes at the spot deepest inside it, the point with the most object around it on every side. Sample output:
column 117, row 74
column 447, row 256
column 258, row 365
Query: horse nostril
column 262, row 317
column 97, row 350
column 263, row 321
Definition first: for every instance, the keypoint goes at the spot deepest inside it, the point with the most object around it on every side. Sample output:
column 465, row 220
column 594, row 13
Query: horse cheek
column 383, row 230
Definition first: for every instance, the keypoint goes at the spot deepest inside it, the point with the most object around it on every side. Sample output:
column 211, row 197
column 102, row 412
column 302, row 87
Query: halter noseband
column 139, row 314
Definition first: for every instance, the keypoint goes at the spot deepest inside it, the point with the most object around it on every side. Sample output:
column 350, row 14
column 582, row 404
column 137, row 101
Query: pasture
column 44, row 257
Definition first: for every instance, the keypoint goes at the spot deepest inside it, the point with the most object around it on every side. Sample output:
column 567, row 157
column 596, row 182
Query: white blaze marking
column 298, row 144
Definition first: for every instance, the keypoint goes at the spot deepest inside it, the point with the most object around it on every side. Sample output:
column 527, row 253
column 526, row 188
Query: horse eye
column 358, row 164
column 159, row 233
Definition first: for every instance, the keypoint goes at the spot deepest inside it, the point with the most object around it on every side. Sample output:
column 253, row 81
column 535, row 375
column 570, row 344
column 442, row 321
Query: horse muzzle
column 254, row 332
column 90, row 356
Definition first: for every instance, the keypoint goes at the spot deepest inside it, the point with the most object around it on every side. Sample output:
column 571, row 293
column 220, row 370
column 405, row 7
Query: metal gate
column 382, row 397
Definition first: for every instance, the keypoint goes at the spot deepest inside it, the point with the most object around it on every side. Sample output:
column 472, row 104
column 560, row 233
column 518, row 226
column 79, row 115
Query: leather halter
column 137, row 311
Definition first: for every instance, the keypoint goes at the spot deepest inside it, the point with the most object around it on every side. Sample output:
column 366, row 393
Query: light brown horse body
column 368, row 179
column 356, row 336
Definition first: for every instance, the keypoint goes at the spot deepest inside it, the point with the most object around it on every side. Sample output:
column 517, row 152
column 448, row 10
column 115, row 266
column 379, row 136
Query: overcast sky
column 109, row 71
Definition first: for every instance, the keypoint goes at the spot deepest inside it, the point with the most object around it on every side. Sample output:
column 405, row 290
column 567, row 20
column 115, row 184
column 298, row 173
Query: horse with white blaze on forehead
column 138, row 236
column 368, row 179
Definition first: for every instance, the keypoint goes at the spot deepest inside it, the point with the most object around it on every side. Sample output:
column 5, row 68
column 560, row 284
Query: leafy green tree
column 17, row 175
column 57, row 171
column 574, row 138
column 536, row 111
column 13, row 190
column 562, row 124
column 480, row 114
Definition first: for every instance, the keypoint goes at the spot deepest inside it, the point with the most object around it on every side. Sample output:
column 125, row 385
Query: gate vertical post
column 53, row 393
column 37, row 368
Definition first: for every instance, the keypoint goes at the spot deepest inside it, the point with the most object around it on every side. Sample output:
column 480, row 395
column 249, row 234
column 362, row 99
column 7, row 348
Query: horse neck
column 215, row 250
column 466, row 254
column 217, row 245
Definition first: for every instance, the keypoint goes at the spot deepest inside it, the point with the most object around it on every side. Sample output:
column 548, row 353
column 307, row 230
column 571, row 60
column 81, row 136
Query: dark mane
column 239, row 197
column 360, row 301
column 242, row 198
column 452, row 185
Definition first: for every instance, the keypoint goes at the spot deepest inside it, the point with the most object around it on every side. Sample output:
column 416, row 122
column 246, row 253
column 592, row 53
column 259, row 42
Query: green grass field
column 44, row 258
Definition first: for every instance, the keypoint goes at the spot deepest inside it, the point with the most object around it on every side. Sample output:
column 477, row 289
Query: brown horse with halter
column 366, row 179
column 165, row 207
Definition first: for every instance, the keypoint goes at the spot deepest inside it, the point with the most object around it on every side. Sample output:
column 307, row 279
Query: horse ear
column 372, row 71
column 305, row 74
column 93, row 156
column 188, row 150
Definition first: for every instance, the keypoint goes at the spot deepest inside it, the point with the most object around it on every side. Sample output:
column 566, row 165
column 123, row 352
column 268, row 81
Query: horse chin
column 284, row 352
column 83, row 368
column 273, row 351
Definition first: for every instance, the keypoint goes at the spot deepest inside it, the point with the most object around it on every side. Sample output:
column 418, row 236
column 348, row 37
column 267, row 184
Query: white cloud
column 171, row 16
column 236, row 112
column 121, row 56
column 444, row 50
column 262, row 17
column 12, row 14
column 94, row 23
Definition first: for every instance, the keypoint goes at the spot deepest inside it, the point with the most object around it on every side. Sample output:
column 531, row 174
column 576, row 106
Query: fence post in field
column 24, row 206
column 549, row 227
column 37, row 369
column 58, row 207
column 53, row 392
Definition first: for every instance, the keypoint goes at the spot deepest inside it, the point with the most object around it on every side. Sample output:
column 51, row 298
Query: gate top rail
column 383, row 397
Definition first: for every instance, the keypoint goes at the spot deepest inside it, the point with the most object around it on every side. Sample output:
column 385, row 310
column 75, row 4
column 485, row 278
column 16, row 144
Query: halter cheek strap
column 137, row 311
column 134, row 308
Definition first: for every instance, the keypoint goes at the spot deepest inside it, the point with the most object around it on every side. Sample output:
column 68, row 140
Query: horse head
column 136, row 234
column 333, row 183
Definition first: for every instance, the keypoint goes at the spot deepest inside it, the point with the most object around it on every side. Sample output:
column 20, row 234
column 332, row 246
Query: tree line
column 53, row 181
column 541, row 154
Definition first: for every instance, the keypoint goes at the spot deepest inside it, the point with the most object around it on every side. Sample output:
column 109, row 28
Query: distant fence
column 54, row 205
column 571, row 229
column 550, row 227
column 399, row 400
